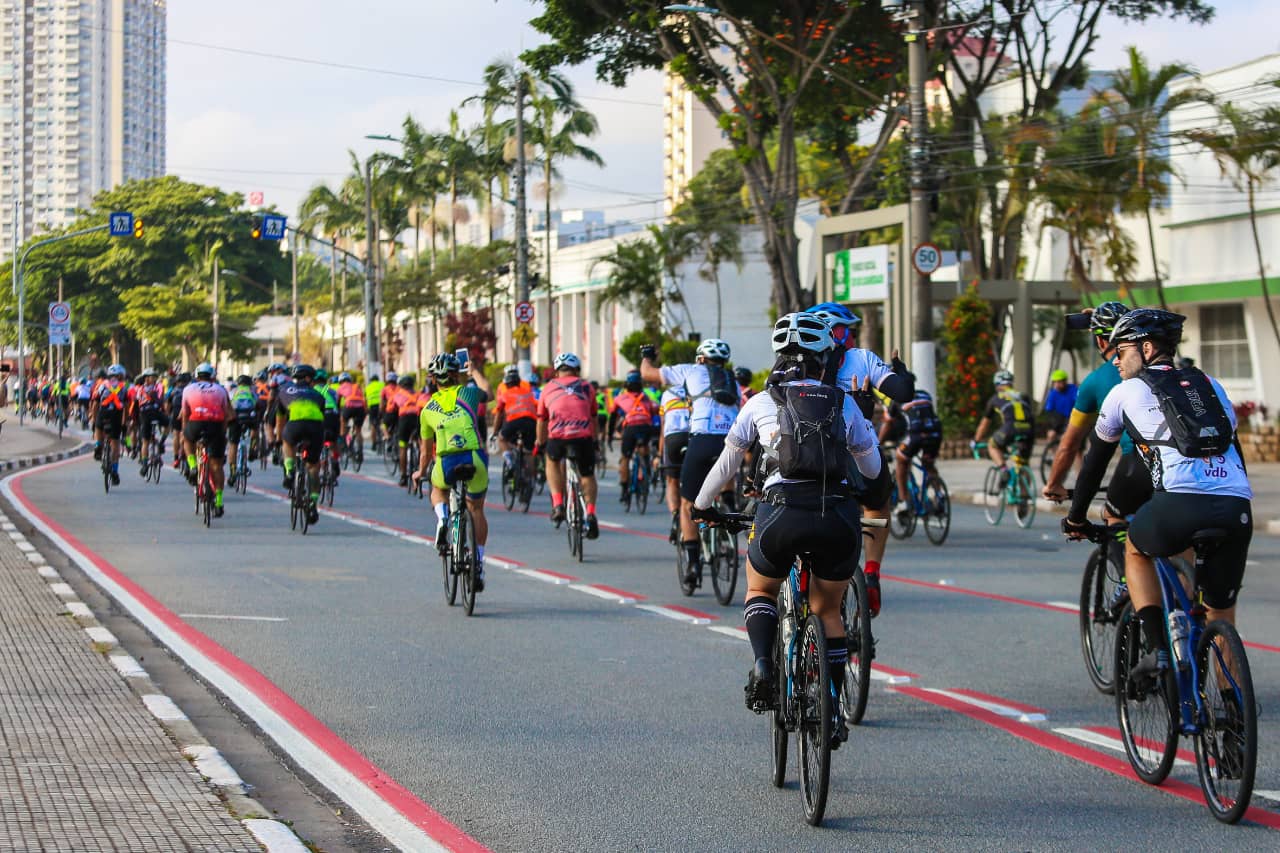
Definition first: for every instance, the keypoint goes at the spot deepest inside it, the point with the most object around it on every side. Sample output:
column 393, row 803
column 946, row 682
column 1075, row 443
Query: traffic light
column 137, row 229
column 256, row 231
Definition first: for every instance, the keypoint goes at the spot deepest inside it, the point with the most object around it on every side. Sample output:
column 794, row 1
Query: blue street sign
column 121, row 223
column 273, row 227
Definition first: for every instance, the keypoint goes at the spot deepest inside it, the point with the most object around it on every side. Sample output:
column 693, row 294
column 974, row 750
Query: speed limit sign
column 926, row 258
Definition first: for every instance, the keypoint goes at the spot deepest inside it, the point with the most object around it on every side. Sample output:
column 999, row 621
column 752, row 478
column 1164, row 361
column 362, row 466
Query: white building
column 82, row 105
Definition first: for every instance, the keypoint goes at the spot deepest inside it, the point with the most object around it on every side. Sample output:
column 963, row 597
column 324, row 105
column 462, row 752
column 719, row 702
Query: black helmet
column 243, row 379
column 1142, row 324
column 512, row 375
column 742, row 375
column 1104, row 317
column 633, row 381
column 184, row 378
column 304, row 372
column 406, row 381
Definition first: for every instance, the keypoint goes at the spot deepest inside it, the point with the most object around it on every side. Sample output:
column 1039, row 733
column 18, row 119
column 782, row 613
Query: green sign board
column 860, row 275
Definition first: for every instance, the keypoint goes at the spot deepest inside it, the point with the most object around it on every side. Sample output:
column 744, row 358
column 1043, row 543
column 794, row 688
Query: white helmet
column 569, row 360
column 800, row 333
column 714, row 349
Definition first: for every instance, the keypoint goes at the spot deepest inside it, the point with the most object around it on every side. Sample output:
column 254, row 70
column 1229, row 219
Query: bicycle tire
column 901, row 526
column 992, row 505
column 937, row 510
column 526, row 490
column 508, row 487
column 450, row 576
column 470, row 567
column 724, row 569
column 1025, row 508
column 1046, row 460
column 1098, row 620
column 1221, row 752
column 106, row 467
column 778, row 733
column 293, row 507
column 857, row 675
column 683, row 577
column 304, row 514
column 642, row 484
column 815, row 730
column 358, row 461
column 390, row 459
column 1146, row 713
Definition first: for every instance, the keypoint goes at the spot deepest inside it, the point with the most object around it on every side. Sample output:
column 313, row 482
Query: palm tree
column 460, row 159
column 634, row 281
column 1138, row 109
column 1246, row 145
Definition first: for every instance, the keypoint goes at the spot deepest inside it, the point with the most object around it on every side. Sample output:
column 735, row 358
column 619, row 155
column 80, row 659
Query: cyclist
column 634, row 411
column 108, row 410
column 799, row 514
column 922, row 434
column 300, row 425
column 713, row 396
column 604, row 405
column 1016, row 429
column 206, row 410
column 566, row 419
column 149, row 408
column 450, row 427
column 332, row 418
column 84, row 396
column 743, row 376
column 384, row 404
column 244, row 412
column 353, row 408
column 860, row 371
column 373, row 406
column 62, row 396
column 404, row 406
column 276, row 376
column 1190, row 494
column 515, row 417
column 173, row 411
column 1058, row 404
column 674, row 410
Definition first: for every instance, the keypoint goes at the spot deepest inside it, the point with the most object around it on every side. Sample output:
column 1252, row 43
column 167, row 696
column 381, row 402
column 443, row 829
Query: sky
column 243, row 119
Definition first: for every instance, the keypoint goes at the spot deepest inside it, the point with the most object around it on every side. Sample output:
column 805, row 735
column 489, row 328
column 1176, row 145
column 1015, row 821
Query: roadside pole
column 522, row 238
column 923, row 348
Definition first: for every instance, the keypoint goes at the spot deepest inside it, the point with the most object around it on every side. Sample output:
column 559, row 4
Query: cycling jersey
column 112, row 396
column 262, row 391
column 1093, row 390
column 856, row 365
column 300, row 404
column 405, row 402
column 516, row 402
column 330, row 400
column 149, row 397
column 450, row 418
column 207, row 401
column 1011, row 409
column 707, row 416
column 568, row 407
column 674, row 410
column 636, row 408
column 83, row 391
column 388, row 395
column 352, row 395
column 244, row 402
column 373, row 393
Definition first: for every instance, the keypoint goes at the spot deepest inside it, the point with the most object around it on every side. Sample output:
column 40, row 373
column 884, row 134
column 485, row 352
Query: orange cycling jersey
column 517, row 401
column 405, row 402
column 352, row 395
column 109, row 396
column 636, row 407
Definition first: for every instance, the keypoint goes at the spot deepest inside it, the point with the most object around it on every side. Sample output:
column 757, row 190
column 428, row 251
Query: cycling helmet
column 276, row 367
column 322, row 375
column 1104, row 317
column 742, row 375
column 146, row 371
column 1058, row 376
column 567, row 361
column 392, row 378
column 802, row 333
column 632, row 382
column 512, row 375
column 243, row 379
column 405, row 381
column 184, row 378
column 1142, row 324
column 714, row 349
column 205, row 369
column 118, row 370
column 303, row 371
column 836, row 314
column 1002, row 377
column 261, row 376
column 443, row 364
column 344, row 377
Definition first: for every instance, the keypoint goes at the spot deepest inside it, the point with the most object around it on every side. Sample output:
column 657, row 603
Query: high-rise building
column 690, row 135
column 82, row 105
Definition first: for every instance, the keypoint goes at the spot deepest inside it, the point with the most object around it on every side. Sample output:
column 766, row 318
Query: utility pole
column 297, row 339
column 371, row 365
column 522, row 238
column 333, row 301
column 923, row 359
column 217, row 275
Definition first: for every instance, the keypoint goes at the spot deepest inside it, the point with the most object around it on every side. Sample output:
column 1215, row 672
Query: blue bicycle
column 929, row 500
column 1206, row 694
column 637, row 486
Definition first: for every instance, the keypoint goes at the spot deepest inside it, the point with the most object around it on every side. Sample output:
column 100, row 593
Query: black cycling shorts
column 214, row 434
column 1164, row 526
column 699, row 458
column 1009, row 440
column 332, row 426
column 353, row 416
column 239, row 427
column 1056, row 422
column 522, row 429
column 153, row 416
column 639, row 434
column 584, row 453
column 1130, row 486
column 375, row 414
column 876, row 493
column 408, row 429
column 389, row 420
column 674, row 445
column 926, row 445
column 830, row 540
column 305, row 437
column 111, row 422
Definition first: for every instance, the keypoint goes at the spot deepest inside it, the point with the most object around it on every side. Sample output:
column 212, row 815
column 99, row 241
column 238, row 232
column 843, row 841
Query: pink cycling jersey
column 207, row 401
column 569, row 408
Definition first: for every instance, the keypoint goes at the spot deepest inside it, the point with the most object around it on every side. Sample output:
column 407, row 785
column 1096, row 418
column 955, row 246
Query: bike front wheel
column 724, row 566
column 450, row 576
column 1227, row 743
column 993, row 496
column 778, row 719
column 466, row 560
column 1146, row 706
column 1024, row 506
column 816, row 717
column 1099, row 615
column 937, row 510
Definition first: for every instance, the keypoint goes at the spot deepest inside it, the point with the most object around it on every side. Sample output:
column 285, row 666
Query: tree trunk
column 1262, row 272
column 1155, row 265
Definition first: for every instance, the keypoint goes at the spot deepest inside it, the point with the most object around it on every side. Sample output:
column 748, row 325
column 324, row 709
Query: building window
column 1224, row 344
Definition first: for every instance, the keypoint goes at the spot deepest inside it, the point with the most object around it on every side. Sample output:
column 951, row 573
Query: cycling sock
column 691, row 550
column 115, row 467
column 442, row 512
column 872, row 567
column 591, row 509
column 480, row 553
column 1152, row 617
column 288, row 467
column 837, row 657
column 191, row 461
column 217, row 498
column 557, row 500
column 761, row 617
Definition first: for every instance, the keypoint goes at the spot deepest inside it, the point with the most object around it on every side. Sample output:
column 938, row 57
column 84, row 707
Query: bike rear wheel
column 1046, row 460
column 508, row 487
column 724, row 566
column 450, row 576
column 1227, row 743
column 642, row 484
column 1098, row 617
column 778, row 719
column 1146, row 707
column 857, row 676
column 390, row 458
column 1024, row 508
column 816, row 715
column 466, row 564
column 992, row 496
column 902, row 526
column 937, row 510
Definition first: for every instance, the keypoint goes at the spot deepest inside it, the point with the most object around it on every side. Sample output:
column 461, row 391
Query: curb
column 273, row 835
column 46, row 458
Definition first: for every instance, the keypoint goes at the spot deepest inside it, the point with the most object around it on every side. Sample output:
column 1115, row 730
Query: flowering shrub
column 965, row 381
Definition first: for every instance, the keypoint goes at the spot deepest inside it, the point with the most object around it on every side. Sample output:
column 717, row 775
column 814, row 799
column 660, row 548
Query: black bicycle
column 460, row 559
column 517, row 482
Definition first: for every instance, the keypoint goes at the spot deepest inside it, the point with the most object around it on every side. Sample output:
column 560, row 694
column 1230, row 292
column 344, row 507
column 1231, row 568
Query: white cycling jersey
column 858, row 364
column 675, row 411
column 708, row 416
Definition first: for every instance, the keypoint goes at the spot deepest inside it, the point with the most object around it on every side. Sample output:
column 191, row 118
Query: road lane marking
column 1064, row 605
column 1113, row 743
column 230, row 617
column 545, row 576
column 607, row 592
column 736, row 632
column 680, row 614
column 889, row 675
column 994, row 704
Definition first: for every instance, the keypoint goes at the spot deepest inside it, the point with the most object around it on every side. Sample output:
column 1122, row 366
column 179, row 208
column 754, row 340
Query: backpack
column 810, row 442
column 721, row 386
column 1197, row 420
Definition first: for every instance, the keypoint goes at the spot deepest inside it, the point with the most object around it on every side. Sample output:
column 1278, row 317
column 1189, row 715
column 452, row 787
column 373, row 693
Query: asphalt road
column 560, row 720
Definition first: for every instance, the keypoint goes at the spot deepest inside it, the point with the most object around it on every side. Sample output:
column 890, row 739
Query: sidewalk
column 90, row 755
column 31, row 442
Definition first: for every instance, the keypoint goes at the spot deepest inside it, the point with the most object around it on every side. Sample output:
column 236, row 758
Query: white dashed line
column 994, row 707
column 608, row 595
column 671, row 613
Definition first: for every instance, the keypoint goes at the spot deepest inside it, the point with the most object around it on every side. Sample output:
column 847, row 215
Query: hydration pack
column 1197, row 420
column 721, row 386
column 810, row 442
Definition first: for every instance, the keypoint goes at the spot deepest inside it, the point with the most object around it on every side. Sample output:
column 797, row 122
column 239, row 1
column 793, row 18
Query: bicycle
column 328, row 480
column 719, row 550
column 1104, row 596
column 1206, row 694
column 637, row 486
column 155, row 454
column 517, row 484
column 414, row 487
column 1017, row 490
column 928, row 500
column 459, row 557
column 353, row 450
column 204, row 485
column 239, row 474
column 391, row 457
column 575, row 506
column 300, row 506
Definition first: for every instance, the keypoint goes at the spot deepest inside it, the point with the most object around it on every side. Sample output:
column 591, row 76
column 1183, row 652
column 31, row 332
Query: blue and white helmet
column 567, row 360
column 836, row 314
column 204, row 370
column 802, row 333
column 714, row 349
column 116, row 371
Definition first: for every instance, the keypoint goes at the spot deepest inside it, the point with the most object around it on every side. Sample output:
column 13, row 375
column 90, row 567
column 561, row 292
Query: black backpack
column 1198, row 422
column 721, row 386
column 810, row 443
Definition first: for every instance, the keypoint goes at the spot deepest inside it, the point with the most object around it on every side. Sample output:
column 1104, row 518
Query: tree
column 969, row 341
column 1139, row 107
column 634, row 282
column 177, row 322
column 472, row 330
column 1246, row 145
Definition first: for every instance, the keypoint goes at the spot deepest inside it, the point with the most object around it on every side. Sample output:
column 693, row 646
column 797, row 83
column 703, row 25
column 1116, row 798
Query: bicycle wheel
column 683, row 577
column 1024, row 508
column 813, row 688
column 1099, row 613
column 778, row 719
column 465, row 560
column 724, row 568
column 937, row 510
column 642, row 484
column 1146, row 707
column 1227, row 743
column 1046, row 460
column 304, row 513
column 293, row 506
column 358, row 459
column 450, row 576
column 525, row 488
column 106, row 467
column 992, row 496
column 901, row 526
column 862, row 650
column 574, row 532
column 390, row 458
column 508, row 487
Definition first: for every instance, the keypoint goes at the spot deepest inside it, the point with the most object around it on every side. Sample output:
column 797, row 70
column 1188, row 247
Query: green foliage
column 965, row 380
column 670, row 350
column 678, row 351
column 634, row 282
column 629, row 348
